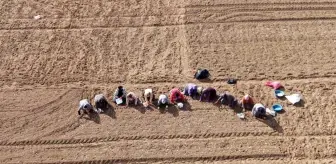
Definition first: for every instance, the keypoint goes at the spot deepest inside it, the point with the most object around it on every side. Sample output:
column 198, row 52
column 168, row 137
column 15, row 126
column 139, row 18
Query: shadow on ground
column 272, row 123
column 109, row 111
column 92, row 116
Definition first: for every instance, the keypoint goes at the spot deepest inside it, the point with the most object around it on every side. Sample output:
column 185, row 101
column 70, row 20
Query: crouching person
column 100, row 102
column 208, row 95
column 201, row 74
column 148, row 96
column 85, row 107
column 227, row 99
column 131, row 98
column 190, row 90
column 163, row 101
column 120, row 93
column 247, row 103
column 176, row 96
column 259, row 111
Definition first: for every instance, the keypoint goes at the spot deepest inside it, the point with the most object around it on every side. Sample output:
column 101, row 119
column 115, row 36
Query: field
column 80, row 48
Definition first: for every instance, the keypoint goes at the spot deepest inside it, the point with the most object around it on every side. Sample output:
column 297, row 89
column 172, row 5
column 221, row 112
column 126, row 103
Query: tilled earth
column 79, row 48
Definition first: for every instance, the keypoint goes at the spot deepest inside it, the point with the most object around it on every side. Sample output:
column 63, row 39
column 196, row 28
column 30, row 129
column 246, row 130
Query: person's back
column 131, row 97
column 176, row 95
column 259, row 110
column 247, row 102
column 208, row 94
column 190, row 90
column 163, row 101
column 99, row 98
column 148, row 95
column 228, row 99
column 201, row 74
column 84, row 103
column 120, row 93
column 148, row 91
column 85, row 106
column 100, row 102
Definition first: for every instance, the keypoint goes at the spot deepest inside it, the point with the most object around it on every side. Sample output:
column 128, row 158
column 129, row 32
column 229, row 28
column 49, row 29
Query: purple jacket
column 190, row 90
column 209, row 94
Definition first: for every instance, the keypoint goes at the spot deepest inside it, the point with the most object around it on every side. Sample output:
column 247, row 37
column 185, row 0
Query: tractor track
column 135, row 137
column 260, row 157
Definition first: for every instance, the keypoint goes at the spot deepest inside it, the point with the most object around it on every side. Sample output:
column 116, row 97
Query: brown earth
column 80, row 48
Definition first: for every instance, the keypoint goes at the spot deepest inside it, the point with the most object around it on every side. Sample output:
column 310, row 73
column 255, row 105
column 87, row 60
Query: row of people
column 209, row 94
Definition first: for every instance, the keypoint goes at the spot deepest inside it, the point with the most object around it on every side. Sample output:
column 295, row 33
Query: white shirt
column 258, row 105
column 255, row 108
column 84, row 104
column 148, row 92
column 99, row 97
column 163, row 97
column 133, row 97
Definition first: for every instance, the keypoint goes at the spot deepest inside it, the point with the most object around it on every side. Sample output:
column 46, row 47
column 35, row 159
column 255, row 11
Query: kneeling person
column 247, row 102
column 120, row 93
column 208, row 94
column 148, row 96
column 190, row 90
column 163, row 101
column 176, row 96
column 227, row 99
column 259, row 111
column 86, row 107
column 131, row 98
column 100, row 102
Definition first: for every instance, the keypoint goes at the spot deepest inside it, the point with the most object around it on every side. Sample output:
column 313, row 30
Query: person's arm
column 79, row 109
column 201, row 97
column 116, row 93
column 95, row 109
column 185, row 90
column 159, row 102
column 135, row 100
column 151, row 98
column 243, row 105
column 208, row 97
column 244, row 109
column 145, row 97
column 251, row 101
column 184, row 98
column 127, row 100
column 124, row 93
column 253, row 109
column 219, row 99
column 172, row 98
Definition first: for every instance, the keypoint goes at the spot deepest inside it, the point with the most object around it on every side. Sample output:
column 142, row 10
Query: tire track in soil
column 66, row 128
column 32, row 111
column 303, row 19
column 260, row 157
column 266, row 20
column 262, row 4
column 309, row 19
column 185, row 22
column 230, row 10
column 135, row 137
column 102, row 86
column 226, row 14
column 39, row 119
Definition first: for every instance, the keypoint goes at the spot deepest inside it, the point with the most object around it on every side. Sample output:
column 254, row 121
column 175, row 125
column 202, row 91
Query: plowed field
column 79, row 48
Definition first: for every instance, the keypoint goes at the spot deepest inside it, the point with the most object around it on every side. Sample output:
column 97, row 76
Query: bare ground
column 80, row 48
